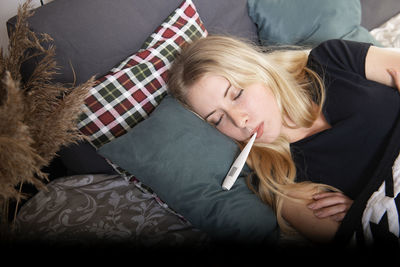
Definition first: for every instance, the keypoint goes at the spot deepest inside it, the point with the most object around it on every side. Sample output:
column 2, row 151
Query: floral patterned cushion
column 131, row 90
column 99, row 209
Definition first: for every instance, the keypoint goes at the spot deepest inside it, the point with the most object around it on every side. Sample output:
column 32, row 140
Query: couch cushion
column 375, row 13
column 92, row 36
column 184, row 160
column 308, row 22
column 132, row 89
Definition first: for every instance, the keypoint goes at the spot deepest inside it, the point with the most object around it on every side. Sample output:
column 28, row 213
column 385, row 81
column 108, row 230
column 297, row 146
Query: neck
column 295, row 134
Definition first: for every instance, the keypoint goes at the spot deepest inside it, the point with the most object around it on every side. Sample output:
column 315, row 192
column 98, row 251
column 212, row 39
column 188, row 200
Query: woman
column 321, row 118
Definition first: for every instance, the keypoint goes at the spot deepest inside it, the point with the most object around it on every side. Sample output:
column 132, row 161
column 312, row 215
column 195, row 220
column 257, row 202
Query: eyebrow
column 225, row 94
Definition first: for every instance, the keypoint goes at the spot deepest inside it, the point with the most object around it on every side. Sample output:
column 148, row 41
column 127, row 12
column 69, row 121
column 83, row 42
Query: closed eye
column 219, row 121
column 238, row 95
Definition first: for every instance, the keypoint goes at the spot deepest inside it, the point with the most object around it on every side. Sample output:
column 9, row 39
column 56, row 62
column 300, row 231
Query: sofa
column 141, row 205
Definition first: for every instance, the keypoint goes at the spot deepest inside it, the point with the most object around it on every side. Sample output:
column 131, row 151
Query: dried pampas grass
column 37, row 117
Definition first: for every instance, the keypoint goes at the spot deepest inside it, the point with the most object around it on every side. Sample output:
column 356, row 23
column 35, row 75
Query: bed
column 93, row 200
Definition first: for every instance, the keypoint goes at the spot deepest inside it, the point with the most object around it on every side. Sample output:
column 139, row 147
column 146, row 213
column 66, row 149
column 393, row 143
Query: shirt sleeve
column 341, row 54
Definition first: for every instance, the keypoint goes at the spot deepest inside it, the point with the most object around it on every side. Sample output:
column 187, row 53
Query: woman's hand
column 396, row 77
column 330, row 204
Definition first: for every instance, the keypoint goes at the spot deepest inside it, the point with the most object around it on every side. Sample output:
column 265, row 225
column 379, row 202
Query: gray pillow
column 92, row 36
column 184, row 160
column 308, row 22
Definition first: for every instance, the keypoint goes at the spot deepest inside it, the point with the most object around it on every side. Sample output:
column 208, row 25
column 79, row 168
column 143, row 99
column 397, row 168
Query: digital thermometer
column 237, row 165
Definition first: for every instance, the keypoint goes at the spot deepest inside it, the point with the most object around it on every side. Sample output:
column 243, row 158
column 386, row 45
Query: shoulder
column 339, row 47
column 342, row 54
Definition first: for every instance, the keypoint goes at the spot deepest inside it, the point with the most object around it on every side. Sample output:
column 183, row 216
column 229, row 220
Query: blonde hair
column 294, row 85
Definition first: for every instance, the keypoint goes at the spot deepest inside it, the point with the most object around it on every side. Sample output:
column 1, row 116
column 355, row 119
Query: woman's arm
column 300, row 217
column 318, row 217
column 378, row 63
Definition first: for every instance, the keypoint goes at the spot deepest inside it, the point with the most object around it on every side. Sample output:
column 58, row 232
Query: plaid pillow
column 131, row 90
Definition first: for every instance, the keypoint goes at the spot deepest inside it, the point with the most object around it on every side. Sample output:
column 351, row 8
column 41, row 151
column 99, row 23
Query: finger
column 338, row 217
column 327, row 201
column 326, row 194
column 396, row 77
column 331, row 211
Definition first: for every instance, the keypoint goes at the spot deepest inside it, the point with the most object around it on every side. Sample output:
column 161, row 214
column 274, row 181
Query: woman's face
column 237, row 112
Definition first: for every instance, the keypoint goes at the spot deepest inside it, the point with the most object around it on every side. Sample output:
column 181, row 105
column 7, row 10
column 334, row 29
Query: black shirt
column 361, row 113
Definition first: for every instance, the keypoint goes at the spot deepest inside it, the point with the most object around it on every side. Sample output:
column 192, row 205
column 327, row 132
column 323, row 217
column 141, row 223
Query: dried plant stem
column 16, row 207
column 37, row 117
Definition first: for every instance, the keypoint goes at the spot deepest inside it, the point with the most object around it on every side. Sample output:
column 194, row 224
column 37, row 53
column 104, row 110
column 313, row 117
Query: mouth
column 259, row 130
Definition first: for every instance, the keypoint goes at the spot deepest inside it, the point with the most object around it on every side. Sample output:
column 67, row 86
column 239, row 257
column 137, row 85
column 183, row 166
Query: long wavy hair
column 296, row 88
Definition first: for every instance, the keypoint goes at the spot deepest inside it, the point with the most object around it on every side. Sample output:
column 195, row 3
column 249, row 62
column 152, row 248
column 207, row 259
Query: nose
column 238, row 117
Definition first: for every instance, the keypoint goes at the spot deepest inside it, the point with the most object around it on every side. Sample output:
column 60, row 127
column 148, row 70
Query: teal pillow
column 184, row 160
column 308, row 22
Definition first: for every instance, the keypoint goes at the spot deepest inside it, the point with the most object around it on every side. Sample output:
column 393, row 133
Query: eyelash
column 235, row 98
column 238, row 95
column 220, row 119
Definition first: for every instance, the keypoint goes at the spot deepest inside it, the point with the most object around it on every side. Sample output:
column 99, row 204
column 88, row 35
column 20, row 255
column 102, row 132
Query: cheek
column 232, row 132
column 267, row 104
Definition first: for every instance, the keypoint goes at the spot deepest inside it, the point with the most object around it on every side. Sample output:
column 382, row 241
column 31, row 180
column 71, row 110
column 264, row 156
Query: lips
column 259, row 130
